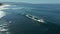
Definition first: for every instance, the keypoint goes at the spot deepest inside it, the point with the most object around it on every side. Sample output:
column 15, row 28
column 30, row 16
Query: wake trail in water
column 35, row 18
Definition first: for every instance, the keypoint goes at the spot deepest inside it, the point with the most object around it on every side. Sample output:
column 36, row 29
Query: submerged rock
column 1, row 4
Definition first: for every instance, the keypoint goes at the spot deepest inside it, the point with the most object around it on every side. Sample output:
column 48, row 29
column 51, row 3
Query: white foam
column 2, row 14
column 33, row 18
column 41, row 20
column 3, row 7
column 3, row 29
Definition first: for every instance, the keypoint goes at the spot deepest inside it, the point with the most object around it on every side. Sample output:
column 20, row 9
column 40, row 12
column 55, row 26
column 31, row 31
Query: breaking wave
column 2, row 14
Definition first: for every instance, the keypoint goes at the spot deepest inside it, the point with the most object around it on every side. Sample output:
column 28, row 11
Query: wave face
column 18, row 23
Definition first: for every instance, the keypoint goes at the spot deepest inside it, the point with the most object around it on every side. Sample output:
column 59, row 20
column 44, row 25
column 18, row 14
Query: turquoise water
column 20, row 24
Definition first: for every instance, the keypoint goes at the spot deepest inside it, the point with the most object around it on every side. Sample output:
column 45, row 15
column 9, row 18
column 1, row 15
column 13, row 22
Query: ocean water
column 18, row 23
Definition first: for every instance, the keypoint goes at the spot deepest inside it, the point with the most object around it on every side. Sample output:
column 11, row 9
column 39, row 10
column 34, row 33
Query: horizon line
column 32, row 3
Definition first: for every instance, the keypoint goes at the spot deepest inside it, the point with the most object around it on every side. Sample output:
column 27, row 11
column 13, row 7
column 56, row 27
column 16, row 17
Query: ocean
column 18, row 23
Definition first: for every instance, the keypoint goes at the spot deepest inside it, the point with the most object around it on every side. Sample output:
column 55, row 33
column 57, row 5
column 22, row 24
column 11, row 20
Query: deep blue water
column 50, row 13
